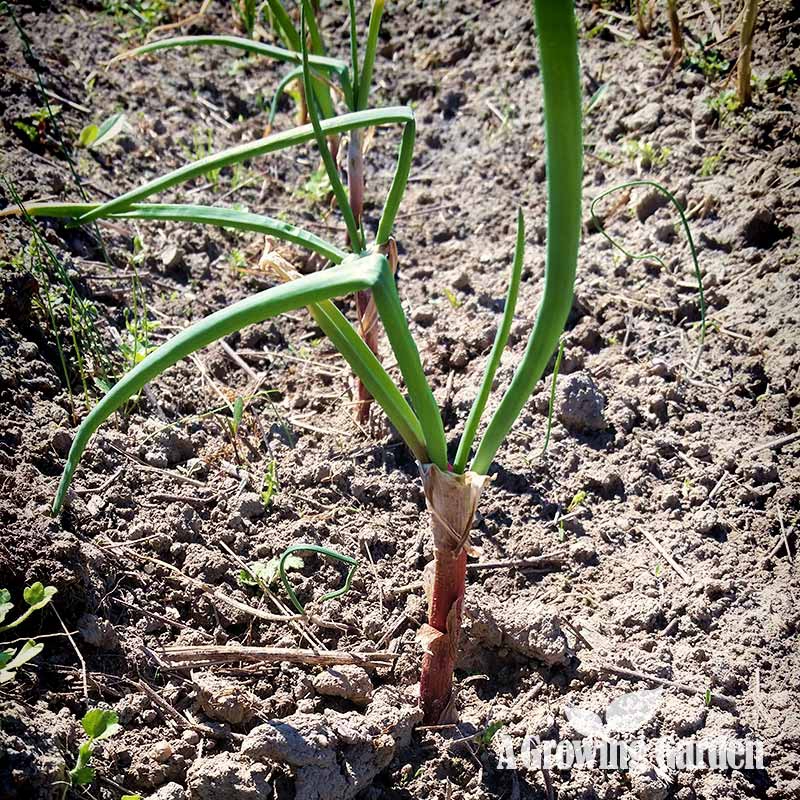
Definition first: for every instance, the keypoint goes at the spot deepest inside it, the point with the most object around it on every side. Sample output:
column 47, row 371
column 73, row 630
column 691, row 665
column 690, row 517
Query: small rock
column 161, row 751
column 61, row 441
column 459, row 357
column 95, row 505
column 191, row 737
column 171, row 257
column 645, row 782
column 169, row 791
column 583, row 551
column 580, row 403
column 156, row 458
column 705, row 520
column 251, row 505
column 348, row 681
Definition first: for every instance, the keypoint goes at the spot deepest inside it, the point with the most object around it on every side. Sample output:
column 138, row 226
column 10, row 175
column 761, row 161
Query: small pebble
column 162, row 751
column 191, row 737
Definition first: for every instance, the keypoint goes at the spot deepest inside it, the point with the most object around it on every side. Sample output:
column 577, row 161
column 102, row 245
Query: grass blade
column 356, row 274
column 285, row 25
column 293, row 75
column 555, row 26
column 260, row 147
column 292, row 56
column 317, row 44
column 479, row 404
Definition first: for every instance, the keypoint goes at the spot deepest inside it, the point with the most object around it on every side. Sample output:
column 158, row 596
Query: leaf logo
column 624, row 715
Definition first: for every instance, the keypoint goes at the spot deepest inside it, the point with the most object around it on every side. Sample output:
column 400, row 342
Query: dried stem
column 179, row 657
column 676, row 34
column 749, row 15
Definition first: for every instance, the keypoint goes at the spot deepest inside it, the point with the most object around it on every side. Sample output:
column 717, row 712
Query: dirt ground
column 663, row 512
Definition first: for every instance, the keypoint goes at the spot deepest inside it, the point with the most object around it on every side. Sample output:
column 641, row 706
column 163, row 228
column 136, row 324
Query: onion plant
column 452, row 490
column 352, row 80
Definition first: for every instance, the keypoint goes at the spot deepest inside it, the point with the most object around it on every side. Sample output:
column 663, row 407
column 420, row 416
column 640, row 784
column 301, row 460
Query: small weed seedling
column 33, row 126
column 264, row 574
column 71, row 318
column 269, row 483
column 725, row 104
column 98, row 724
column 144, row 14
column 647, row 154
column 93, row 136
column 710, row 63
column 710, row 165
column 486, row 736
column 36, row 596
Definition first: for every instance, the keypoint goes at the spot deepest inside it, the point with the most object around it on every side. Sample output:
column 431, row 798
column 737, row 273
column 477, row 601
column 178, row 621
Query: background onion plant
column 452, row 490
column 320, row 77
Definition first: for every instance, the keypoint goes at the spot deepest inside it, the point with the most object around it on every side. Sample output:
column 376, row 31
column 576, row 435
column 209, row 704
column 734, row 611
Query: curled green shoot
column 325, row 551
column 654, row 256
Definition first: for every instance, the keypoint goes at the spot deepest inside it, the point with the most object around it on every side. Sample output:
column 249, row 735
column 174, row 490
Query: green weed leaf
column 100, row 724
column 88, row 135
column 238, row 411
column 95, row 135
column 38, row 596
column 81, row 776
column 265, row 573
column 5, row 603
column 10, row 663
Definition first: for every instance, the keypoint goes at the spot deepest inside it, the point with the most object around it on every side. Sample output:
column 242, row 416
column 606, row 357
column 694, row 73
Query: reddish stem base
column 438, row 662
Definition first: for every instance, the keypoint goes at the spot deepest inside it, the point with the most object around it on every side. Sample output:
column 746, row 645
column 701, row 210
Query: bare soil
column 665, row 505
